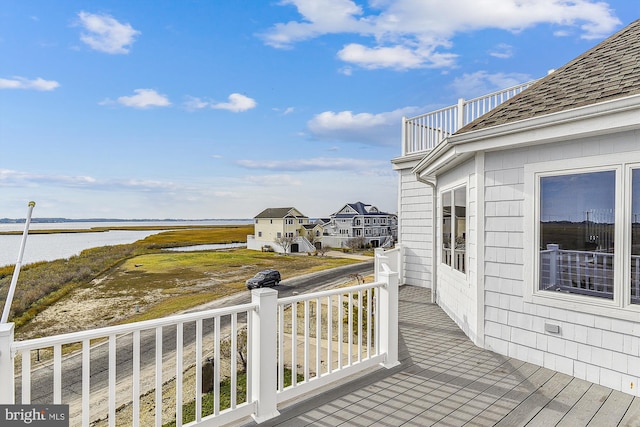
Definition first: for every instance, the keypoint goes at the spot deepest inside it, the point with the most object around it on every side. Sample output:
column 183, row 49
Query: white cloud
column 143, row 98
column 365, row 128
column 325, row 17
column 414, row 33
column 502, row 51
column 398, row 57
column 106, row 34
column 192, row 103
column 274, row 180
column 314, row 164
column 11, row 177
column 17, row 82
column 237, row 103
column 482, row 82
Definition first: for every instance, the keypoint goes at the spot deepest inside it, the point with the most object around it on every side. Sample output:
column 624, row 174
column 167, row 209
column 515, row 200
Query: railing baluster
column 234, row 361
column 281, row 354
column 306, row 340
column 112, row 380
column 340, row 331
column 350, row 330
column 216, row 367
column 26, row 377
column 359, row 326
column 369, row 317
column 329, row 335
column 178, row 381
column 158, row 395
column 294, row 344
column 318, row 337
column 86, row 375
column 199, row 370
column 136, row 378
column 57, row 374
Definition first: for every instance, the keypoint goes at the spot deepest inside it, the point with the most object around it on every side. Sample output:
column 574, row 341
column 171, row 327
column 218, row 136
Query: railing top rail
column 596, row 253
column 430, row 113
column 496, row 93
column 74, row 337
column 338, row 291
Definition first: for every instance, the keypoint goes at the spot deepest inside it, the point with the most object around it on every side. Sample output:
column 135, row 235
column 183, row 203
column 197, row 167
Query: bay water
column 49, row 247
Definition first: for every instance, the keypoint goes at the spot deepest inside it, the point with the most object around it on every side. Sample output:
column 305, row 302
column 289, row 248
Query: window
column 289, row 221
column 454, row 227
column 584, row 237
column 259, row 233
column 635, row 237
column 577, row 233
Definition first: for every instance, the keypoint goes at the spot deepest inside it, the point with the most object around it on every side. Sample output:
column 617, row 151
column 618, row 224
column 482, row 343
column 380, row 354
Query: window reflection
column 577, row 231
column 454, row 228
column 446, row 227
column 635, row 236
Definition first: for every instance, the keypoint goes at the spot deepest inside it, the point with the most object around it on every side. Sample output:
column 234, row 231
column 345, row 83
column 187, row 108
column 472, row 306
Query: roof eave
column 604, row 117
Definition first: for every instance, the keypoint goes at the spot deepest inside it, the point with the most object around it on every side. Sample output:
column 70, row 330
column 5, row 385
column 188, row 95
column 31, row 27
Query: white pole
column 16, row 270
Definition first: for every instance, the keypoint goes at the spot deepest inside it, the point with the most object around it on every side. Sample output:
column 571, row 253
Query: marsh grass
column 141, row 275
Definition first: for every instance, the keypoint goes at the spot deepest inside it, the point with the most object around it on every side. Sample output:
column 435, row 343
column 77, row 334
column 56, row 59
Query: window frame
column 452, row 189
column 620, row 306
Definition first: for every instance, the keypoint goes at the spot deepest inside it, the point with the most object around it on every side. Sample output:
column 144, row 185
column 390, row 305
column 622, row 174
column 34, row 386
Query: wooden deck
column 446, row 380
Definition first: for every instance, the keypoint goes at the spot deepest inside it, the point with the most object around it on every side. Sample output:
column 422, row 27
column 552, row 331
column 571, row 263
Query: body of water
column 49, row 247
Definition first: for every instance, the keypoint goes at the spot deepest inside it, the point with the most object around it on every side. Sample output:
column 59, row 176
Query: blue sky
column 219, row 109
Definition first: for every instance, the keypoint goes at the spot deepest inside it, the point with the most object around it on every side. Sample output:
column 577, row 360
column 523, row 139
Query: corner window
column 577, row 233
column 583, row 239
column 454, row 228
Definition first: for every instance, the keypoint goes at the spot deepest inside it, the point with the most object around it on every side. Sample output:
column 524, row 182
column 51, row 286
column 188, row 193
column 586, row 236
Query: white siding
column 456, row 292
column 592, row 347
column 415, row 234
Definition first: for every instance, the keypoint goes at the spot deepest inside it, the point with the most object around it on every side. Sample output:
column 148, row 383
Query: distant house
column 313, row 233
column 274, row 223
column 524, row 219
column 360, row 220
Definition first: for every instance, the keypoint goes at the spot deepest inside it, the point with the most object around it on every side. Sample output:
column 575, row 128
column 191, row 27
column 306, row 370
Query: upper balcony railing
column 424, row 132
column 209, row 367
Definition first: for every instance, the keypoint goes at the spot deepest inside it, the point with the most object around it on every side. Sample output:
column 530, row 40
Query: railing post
column 389, row 317
column 460, row 123
column 553, row 263
column 378, row 253
column 264, row 358
column 404, row 136
column 7, row 390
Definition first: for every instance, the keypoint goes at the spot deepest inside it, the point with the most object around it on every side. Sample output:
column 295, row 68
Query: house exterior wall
column 456, row 291
column 267, row 229
column 594, row 347
column 415, row 232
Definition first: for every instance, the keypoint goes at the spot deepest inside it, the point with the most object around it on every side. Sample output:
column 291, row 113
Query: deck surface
column 445, row 380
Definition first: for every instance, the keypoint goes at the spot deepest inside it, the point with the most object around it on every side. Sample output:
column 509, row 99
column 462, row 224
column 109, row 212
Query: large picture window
column 577, row 233
column 586, row 234
column 454, row 228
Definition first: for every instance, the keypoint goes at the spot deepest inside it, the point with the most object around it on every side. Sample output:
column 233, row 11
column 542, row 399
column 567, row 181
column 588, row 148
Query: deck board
column 445, row 380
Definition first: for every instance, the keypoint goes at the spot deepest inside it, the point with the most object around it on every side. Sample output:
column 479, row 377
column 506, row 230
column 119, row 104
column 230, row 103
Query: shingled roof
column 279, row 213
column 609, row 70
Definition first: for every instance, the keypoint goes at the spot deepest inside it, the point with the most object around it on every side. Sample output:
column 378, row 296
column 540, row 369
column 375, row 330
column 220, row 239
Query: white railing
column 424, row 132
column 584, row 272
column 319, row 337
